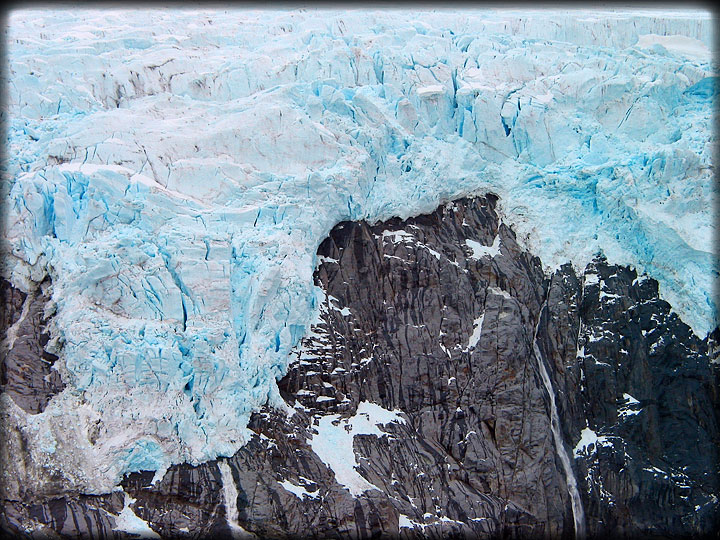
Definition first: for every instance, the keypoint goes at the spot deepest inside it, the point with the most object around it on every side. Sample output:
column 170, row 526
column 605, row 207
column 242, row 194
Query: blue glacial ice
column 175, row 171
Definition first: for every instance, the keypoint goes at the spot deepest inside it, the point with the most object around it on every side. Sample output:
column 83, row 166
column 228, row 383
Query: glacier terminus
column 171, row 173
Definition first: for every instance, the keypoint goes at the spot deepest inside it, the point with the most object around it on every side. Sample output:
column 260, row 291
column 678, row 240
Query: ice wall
column 175, row 170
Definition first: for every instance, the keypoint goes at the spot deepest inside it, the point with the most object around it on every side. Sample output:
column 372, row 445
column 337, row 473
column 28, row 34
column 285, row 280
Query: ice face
column 175, row 171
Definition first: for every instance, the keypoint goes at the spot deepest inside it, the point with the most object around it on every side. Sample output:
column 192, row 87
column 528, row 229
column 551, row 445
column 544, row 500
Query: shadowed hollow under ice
column 175, row 171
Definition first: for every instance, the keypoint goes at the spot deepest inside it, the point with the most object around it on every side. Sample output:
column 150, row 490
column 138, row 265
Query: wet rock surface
column 26, row 367
column 416, row 407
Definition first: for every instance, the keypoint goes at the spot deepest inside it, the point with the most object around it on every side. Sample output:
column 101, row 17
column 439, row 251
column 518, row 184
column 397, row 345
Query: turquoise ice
column 175, row 171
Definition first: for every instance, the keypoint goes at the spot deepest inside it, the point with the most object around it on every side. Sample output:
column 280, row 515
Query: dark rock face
column 188, row 499
column 75, row 516
column 421, row 368
column 477, row 438
column 26, row 371
column 648, row 390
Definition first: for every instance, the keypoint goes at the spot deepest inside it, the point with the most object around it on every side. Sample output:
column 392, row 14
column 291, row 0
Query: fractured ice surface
column 175, row 171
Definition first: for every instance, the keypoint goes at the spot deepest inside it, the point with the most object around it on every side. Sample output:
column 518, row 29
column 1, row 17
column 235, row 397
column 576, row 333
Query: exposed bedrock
column 417, row 408
column 26, row 372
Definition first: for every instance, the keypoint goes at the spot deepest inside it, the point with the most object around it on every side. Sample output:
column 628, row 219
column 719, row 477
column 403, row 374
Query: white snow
column 408, row 523
column 474, row 338
column 344, row 311
column 684, row 45
column 628, row 407
column 430, row 91
column 299, row 491
column 629, row 400
column 127, row 521
column 399, row 236
column 589, row 442
column 499, row 292
column 404, row 236
column 334, row 442
column 479, row 251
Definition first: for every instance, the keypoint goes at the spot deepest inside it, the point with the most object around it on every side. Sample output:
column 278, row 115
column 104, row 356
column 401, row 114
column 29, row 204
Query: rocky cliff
column 448, row 388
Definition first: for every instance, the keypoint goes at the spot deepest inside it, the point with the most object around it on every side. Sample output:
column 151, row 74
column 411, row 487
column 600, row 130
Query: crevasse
column 175, row 171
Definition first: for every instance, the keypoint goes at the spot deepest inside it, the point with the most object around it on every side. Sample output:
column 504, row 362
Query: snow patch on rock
column 333, row 442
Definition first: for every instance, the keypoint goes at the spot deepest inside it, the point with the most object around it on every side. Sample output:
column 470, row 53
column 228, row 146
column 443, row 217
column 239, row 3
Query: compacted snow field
column 173, row 172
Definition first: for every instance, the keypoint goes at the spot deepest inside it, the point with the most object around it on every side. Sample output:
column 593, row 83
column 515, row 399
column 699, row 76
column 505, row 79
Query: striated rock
column 26, row 367
column 75, row 516
column 417, row 320
column 416, row 406
column 649, row 396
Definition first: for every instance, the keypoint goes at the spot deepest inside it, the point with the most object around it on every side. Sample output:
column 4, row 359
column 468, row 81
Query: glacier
column 174, row 172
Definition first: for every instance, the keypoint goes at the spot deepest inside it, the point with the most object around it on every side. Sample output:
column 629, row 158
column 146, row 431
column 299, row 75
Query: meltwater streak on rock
column 11, row 333
column 230, row 495
column 575, row 501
